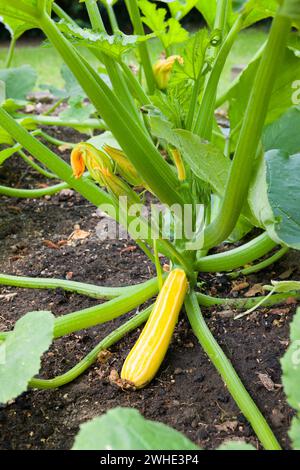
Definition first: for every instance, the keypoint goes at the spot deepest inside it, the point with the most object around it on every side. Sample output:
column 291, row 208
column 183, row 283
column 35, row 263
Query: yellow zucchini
column 146, row 356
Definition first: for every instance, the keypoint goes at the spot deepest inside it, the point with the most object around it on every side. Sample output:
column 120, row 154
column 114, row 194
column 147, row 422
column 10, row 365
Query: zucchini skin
column 146, row 356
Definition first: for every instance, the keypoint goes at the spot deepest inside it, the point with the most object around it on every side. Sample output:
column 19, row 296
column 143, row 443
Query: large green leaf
column 205, row 160
column 294, row 432
column 15, row 27
column 284, row 134
column 18, row 81
column 126, row 429
column 258, row 10
column 274, row 197
column 114, row 46
column 282, row 93
column 6, row 153
column 291, row 377
column 21, row 353
column 27, row 11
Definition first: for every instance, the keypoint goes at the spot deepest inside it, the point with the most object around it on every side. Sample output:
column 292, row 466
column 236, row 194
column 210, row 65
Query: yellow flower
column 86, row 155
column 163, row 69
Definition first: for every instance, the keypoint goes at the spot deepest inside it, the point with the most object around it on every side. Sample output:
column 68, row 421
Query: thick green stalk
column 233, row 259
column 105, row 312
column 48, row 158
column 260, row 266
column 135, row 143
column 113, row 70
column 229, row 375
column 245, row 303
column 112, row 17
column 243, row 162
column 135, row 86
column 10, row 53
column 32, row 193
column 82, row 288
column 85, row 363
column 134, row 13
column 204, row 121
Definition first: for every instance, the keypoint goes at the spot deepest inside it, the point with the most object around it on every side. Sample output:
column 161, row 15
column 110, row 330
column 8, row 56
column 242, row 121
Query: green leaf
column 179, row 9
column 5, row 154
column 283, row 182
column 126, row 429
column 193, row 54
column 208, row 10
column 77, row 109
column 294, row 432
column 205, row 160
column 15, row 27
column 106, row 138
column 18, row 81
column 258, row 10
column 114, row 46
column 236, row 446
column 21, row 353
column 284, row 134
column 5, row 137
column 274, row 197
column 282, row 93
column 169, row 31
column 283, row 286
column 290, row 364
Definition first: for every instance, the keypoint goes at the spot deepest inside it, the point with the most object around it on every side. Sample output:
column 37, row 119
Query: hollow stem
column 260, row 266
column 10, row 53
column 243, row 163
column 36, row 167
column 241, row 303
column 134, row 13
column 229, row 375
column 32, row 193
column 95, row 124
column 85, row 363
column 233, row 259
column 82, row 288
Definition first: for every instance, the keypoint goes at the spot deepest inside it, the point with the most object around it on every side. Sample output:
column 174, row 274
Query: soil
column 187, row 393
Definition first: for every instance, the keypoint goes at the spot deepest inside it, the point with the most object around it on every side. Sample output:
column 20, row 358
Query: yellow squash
column 146, row 356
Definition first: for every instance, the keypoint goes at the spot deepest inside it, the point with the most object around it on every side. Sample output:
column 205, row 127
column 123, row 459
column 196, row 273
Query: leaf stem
column 10, row 53
column 250, row 135
column 85, row 363
column 229, row 375
column 260, row 266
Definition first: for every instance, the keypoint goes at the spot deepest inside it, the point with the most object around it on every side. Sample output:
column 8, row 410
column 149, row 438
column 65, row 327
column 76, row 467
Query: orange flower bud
column 163, row 69
column 77, row 162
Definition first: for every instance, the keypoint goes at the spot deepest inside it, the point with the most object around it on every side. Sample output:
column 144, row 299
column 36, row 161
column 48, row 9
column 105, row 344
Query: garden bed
column 187, row 393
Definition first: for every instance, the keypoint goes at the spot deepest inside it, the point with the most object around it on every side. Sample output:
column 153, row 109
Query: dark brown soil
column 187, row 393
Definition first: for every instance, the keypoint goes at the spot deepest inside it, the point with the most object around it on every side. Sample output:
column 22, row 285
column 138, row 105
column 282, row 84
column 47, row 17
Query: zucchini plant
column 162, row 137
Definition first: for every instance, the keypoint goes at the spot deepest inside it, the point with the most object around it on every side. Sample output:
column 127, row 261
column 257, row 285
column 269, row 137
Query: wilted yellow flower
column 86, row 155
column 124, row 166
column 179, row 164
column 163, row 69
column 117, row 187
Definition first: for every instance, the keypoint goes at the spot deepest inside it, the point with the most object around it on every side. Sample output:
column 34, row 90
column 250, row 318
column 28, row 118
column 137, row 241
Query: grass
column 47, row 62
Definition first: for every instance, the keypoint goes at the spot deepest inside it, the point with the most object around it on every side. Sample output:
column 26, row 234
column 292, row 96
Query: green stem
column 59, row 122
column 10, row 53
column 136, row 144
column 36, row 167
column 85, row 363
column 32, row 193
column 105, row 312
column 241, row 303
column 53, row 107
column 243, row 162
column 53, row 140
column 233, row 259
column 204, row 120
column 260, row 266
column 61, row 13
column 135, row 86
column 134, row 13
column 112, row 17
column 82, row 288
column 229, row 375
column 114, row 72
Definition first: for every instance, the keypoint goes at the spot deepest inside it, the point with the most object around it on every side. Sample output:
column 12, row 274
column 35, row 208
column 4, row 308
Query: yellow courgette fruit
column 146, row 356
